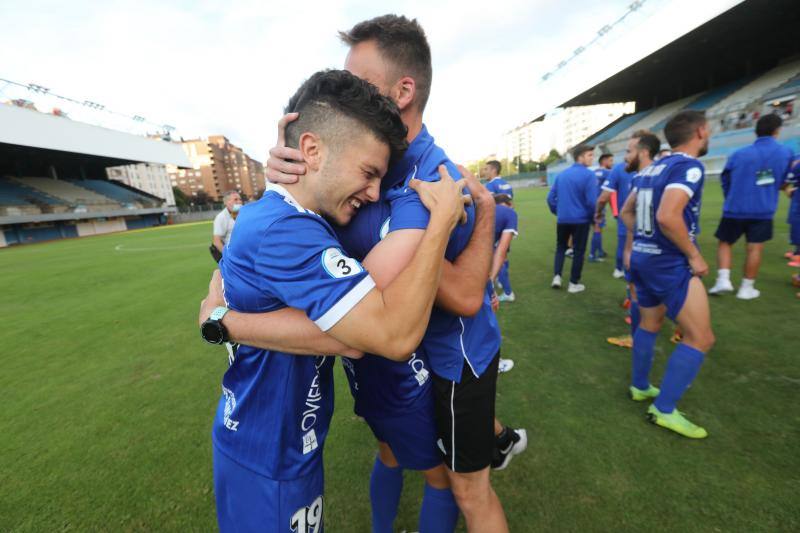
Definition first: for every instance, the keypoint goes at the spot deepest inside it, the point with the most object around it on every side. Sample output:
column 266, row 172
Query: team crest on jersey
column 308, row 519
column 338, row 265
column 230, row 405
column 420, row 372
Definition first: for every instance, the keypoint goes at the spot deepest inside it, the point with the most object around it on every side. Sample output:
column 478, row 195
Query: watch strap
column 218, row 313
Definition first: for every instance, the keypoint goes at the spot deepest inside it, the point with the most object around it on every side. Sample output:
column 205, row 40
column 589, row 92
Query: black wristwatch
column 212, row 330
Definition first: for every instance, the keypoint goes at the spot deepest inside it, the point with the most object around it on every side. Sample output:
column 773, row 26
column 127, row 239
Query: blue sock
column 385, row 486
column 644, row 343
column 439, row 512
column 595, row 248
column 682, row 368
column 635, row 317
column 504, row 279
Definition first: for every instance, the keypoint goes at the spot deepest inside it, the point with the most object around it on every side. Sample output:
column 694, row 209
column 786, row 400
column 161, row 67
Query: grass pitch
column 110, row 393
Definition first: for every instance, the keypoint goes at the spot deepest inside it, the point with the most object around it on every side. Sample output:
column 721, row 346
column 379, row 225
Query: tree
column 181, row 200
column 552, row 157
column 201, row 198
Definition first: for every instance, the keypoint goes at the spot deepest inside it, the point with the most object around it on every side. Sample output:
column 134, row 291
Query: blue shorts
column 411, row 436
column 247, row 501
column 662, row 286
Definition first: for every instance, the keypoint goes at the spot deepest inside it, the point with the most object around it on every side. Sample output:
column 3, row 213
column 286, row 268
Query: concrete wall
column 181, row 218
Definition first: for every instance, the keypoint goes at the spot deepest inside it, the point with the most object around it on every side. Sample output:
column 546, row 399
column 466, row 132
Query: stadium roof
column 28, row 128
column 746, row 40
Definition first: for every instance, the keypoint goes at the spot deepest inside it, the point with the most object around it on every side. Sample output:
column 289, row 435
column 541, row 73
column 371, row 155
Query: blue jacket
column 573, row 194
column 752, row 179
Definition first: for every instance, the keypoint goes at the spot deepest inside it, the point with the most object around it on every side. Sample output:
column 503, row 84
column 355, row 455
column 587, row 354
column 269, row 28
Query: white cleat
column 748, row 293
column 721, row 286
column 506, row 297
column 618, row 274
column 556, row 283
column 505, row 365
column 576, row 287
column 519, row 442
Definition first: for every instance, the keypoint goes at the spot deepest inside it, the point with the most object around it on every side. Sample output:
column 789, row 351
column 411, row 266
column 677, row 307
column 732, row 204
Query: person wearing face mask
column 223, row 223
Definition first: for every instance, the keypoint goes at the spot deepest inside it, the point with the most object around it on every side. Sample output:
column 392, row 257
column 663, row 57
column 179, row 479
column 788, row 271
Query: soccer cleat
column 639, row 395
column 602, row 254
column 626, row 341
column 519, row 441
column 788, row 255
column 626, row 303
column 617, row 274
column 506, row 297
column 628, row 320
column 795, row 262
column 570, row 252
column 748, row 293
column 675, row 421
column 556, row 283
column 505, row 365
column 721, row 286
column 575, row 288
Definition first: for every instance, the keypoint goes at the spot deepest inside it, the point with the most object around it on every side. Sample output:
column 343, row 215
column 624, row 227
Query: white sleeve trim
column 682, row 187
column 345, row 304
column 509, row 230
column 609, row 189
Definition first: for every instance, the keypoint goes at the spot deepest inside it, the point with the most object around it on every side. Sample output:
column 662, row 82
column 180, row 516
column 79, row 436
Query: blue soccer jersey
column 500, row 186
column 602, row 175
column 619, row 181
column 651, row 248
column 505, row 221
column 275, row 409
column 752, row 178
column 793, row 178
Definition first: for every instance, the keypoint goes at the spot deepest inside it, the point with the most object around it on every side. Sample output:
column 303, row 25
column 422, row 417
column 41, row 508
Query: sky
column 209, row 67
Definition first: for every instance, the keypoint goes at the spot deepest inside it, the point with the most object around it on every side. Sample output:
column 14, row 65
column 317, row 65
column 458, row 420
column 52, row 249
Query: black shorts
column 465, row 418
column 754, row 230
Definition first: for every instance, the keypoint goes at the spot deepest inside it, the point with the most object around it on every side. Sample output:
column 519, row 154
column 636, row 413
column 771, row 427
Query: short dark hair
column 681, row 127
column 501, row 198
column 768, row 125
column 496, row 164
column 580, row 150
column 403, row 43
column 604, row 157
column 648, row 141
column 330, row 97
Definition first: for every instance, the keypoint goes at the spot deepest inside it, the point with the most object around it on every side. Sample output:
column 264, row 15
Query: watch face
column 212, row 332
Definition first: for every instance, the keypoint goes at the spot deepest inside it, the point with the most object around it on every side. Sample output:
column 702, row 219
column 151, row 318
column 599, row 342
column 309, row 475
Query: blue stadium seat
column 618, row 127
column 707, row 99
column 114, row 191
column 13, row 193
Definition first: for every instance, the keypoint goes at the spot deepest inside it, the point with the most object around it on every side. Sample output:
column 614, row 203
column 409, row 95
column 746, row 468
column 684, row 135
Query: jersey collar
column 401, row 169
column 287, row 197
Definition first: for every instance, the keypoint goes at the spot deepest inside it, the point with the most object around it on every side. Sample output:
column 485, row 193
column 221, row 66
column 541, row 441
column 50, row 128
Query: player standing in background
column 572, row 199
column 618, row 183
column 496, row 184
column 596, row 252
column 505, row 229
column 751, row 183
column 663, row 211
column 793, row 219
column 275, row 409
column 641, row 149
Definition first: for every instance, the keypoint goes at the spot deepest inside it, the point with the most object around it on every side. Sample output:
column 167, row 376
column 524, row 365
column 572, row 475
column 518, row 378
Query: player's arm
column 216, row 240
column 463, row 282
column 285, row 330
column 600, row 206
column 500, row 253
column 552, row 198
column 670, row 219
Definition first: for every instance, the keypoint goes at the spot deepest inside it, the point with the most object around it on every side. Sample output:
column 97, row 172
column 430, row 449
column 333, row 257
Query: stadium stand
column 16, row 198
column 116, row 191
column 69, row 193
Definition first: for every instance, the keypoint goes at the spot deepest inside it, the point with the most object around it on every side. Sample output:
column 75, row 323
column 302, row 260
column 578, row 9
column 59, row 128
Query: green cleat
column 639, row 395
column 676, row 422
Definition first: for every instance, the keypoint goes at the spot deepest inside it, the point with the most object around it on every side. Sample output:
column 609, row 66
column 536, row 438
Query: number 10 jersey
column 651, row 248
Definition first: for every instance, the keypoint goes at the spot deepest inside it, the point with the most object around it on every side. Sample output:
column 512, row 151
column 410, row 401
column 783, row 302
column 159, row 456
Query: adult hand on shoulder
column 443, row 198
column 285, row 165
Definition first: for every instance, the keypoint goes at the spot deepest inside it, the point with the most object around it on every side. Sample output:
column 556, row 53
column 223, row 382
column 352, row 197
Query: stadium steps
column 123, row 195
column 755, row 90
column 704, row 101
column 791, row 87
column 69, row 193
column 614, row 129
column 16, row 198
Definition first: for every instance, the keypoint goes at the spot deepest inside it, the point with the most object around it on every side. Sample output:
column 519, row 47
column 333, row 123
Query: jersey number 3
column 645, row 217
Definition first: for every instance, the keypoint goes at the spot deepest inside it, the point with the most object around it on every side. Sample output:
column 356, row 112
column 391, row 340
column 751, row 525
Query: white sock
column 748, row 283
column 724, row 274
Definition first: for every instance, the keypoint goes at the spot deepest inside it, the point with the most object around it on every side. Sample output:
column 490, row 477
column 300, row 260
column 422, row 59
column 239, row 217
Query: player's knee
column 472, row 496
column 702, row 341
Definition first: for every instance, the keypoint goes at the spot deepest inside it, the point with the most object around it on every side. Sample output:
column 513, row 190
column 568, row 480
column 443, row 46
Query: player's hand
column 214, row 298
column 626, row 259
column 495, row 301
column 280, row 166
column 599, row 218
column 698, row 265
column 443, row 198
